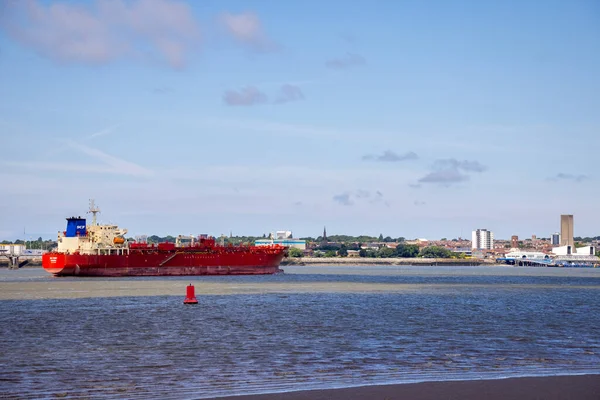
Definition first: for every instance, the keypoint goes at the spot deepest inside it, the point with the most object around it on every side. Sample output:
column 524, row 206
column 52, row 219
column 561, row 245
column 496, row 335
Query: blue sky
column 416, row 119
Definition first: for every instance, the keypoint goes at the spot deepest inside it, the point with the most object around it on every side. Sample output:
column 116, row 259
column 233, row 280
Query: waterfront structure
column 566, row 230
column 482, row 239
column 530, row 255
column 555, row 239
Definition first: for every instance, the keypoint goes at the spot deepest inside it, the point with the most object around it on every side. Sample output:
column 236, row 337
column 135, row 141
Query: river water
column 311, row 327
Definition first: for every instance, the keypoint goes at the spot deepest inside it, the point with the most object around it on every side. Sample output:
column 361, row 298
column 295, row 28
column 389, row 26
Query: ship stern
column 55, row 263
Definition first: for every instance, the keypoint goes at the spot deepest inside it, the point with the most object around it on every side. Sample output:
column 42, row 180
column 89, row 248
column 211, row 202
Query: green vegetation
column 586, row 239
column 354, row 239
column 157, row 239
column 39, row 244
column 407, row 250
column 294, row 252
column 402, row 250
column 435, row 252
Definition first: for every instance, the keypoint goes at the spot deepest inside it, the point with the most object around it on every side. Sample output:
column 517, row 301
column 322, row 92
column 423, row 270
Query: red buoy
column 190, row 296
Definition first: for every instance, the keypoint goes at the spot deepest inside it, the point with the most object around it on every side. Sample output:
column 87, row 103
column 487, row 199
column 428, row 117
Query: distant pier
column 16, row 261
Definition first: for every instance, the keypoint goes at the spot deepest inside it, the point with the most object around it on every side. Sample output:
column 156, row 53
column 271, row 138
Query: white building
column 482, row 239
column 555, row 239
column 574, row 251
column 284, row 238
column 291, row 243
column 14, row 249
column 529, row 255
column 283, row 235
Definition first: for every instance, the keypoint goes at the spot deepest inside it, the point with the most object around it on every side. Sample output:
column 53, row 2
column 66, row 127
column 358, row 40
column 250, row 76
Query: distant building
column 283, row 234
column 573, row 251
column 482, row 239
column 566, row 230
column 283, row 238
column 295, row 243
column 353, row 253
column 462, row 250
column 555, row 239
column 514, row 241
column 14, row 249
column 531, row 255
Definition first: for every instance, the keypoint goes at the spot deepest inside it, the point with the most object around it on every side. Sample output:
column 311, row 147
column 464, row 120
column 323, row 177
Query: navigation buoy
column 190, row 295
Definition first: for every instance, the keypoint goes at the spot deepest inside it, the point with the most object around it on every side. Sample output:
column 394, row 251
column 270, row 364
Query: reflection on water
column 466, row 325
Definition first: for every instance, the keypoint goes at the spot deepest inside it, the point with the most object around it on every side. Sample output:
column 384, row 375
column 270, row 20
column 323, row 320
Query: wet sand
column 574, row 387
column 34, row 284
column 107, row 288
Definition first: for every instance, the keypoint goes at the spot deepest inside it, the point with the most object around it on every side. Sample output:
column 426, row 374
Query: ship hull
column 162, row 264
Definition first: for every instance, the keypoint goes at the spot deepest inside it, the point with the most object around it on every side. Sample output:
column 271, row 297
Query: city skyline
column 424, row 119
column 513, row 239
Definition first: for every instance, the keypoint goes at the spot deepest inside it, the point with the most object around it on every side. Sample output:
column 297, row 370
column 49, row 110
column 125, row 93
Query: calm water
column 453, row 323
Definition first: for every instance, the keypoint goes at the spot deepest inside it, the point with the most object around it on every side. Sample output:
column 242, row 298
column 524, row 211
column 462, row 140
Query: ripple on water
column 140, row 346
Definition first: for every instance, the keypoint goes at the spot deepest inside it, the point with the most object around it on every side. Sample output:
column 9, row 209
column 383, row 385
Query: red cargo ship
column 102, row 250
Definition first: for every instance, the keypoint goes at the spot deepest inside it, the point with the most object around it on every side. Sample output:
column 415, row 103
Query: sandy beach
column 574, row 387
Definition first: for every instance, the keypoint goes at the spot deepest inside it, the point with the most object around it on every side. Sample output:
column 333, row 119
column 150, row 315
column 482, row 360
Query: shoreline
column 354, row 261
column 367, row 261
column 580, row 387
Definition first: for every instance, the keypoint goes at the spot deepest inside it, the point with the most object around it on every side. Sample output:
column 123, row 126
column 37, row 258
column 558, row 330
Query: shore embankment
column 385, row 261
column 30, row 263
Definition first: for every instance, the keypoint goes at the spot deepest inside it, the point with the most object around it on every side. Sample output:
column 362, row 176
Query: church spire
column 324, row 234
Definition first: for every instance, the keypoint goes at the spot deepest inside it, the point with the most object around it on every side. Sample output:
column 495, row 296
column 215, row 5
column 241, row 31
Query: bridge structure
column 577, row 261
column 526, row 262
column 557, row 261
column 18, row 260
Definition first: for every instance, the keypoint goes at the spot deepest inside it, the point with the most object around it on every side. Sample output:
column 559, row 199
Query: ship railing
column 119, row 251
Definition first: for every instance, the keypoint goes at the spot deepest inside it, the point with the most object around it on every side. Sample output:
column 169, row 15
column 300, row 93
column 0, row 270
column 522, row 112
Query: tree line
column 38, row 244
column 401, row 251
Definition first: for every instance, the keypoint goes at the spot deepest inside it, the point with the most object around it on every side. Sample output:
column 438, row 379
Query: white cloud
column 247, row 30
column 247, row 96
column 103, row 132
column 289, row 92
column 73, row 32
column 390, row 156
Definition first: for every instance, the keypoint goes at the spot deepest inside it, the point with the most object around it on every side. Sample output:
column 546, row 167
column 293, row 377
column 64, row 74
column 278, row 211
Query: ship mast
column 93, row 210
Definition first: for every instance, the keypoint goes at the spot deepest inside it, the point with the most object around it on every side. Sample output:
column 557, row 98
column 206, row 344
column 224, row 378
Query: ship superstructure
column 91, row 239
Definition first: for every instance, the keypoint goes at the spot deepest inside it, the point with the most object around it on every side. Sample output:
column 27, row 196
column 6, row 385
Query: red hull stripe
column 163, row 264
